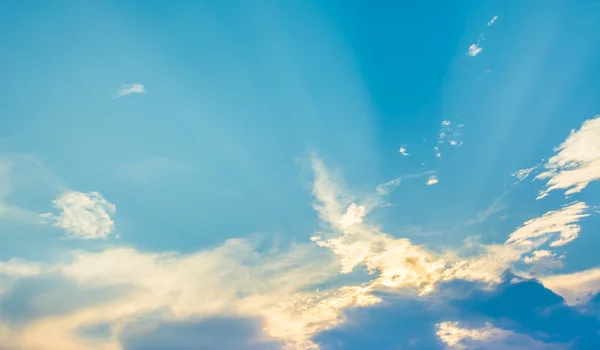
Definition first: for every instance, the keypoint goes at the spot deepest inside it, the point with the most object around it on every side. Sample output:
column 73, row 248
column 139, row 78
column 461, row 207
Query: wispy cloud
column 492, row 21
column 403, row 152
column 450, row 134
column 474, row 50
column 432, row 180
column 577, row 162
column 130, row 89
column 83, row 215
column 561, row 221
column 496, row 207
column 387, row 187
column 524, row 173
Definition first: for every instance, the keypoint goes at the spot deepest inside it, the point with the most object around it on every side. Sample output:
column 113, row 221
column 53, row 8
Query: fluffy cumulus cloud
column 295, row 293
column 403, row 151
column 130, row 89
column 83, row 215
column 577, row 161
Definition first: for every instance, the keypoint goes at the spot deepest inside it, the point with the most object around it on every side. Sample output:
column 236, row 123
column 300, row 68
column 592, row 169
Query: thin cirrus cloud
column 130, row 89
column 492, row 21
column 83, row 215
column 497, row 206
column 389, row 186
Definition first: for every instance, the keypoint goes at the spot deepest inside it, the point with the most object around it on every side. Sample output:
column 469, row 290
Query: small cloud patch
column 432, row 180
column 130, row 89
column 474, row 50
column 83, row 215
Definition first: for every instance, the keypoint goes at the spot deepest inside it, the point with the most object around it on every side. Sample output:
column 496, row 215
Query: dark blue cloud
column 213, row 334
column 398, row 321
column 529, row 308
column 534, row 314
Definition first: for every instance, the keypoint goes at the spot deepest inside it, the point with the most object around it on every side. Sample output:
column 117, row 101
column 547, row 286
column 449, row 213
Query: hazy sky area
column 299, row 175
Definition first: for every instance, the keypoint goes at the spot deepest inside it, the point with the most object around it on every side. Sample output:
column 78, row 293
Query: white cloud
column 232, row 278
column 457, row 336
column 432, row 180
column 437, row 152
column 577, row 162
column 542, row 261
column 353, row 216
column 403, row 151
column 538, row 255
column 83, row 215
column 523, row 173
column 576, row 288
column 449, row 134
column 561, row 221
column 387, row 187
column 492, row 21
column 452, row 333
column 474, row 50
column 130, row 89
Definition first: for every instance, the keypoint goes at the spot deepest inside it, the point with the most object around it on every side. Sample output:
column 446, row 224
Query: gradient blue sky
column 299, row 175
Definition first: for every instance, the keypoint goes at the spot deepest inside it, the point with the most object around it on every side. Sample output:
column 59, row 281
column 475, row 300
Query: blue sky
column 299, row 175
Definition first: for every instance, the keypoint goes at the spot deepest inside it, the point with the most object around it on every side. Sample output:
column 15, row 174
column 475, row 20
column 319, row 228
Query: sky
column 299, row 175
